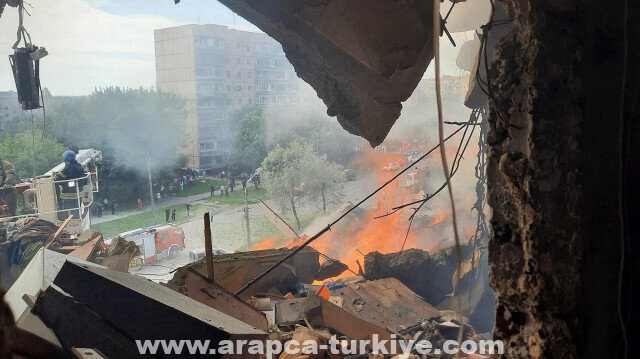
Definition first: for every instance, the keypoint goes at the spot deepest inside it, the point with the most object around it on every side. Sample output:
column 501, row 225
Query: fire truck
column 155, row 242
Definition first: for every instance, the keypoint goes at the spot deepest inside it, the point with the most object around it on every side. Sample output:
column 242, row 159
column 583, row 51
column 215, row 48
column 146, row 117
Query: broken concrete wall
column 362, row 57
column 556, row 161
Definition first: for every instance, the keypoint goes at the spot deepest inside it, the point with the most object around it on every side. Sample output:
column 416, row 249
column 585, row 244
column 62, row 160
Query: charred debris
column 74, row 296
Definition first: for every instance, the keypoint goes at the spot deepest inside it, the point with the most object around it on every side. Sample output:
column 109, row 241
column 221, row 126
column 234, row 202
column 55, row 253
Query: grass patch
column 145, row 218
column 236, row 198
column 199, row 186
column 260, row 228
column 265, row 229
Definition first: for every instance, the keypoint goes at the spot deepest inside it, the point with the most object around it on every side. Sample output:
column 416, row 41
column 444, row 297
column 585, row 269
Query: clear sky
column 98, row 43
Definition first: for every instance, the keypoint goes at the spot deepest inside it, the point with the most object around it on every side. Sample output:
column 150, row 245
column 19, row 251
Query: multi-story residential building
column 10, row 108
column 219, row 71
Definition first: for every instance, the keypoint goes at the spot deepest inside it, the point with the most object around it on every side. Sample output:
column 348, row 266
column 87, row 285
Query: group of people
column 168, row 212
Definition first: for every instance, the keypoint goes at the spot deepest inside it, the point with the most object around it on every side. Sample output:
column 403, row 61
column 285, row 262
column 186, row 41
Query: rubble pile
column 432, row 276
column 419, row 270
column 21, row 240
column 351, row 308
column 402, row 297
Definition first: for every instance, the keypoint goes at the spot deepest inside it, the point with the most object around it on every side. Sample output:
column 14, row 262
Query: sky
column 99, row 43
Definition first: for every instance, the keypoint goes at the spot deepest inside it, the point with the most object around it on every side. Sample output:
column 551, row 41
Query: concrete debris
column 330, row 268
column 432, row 277
column 288, row 303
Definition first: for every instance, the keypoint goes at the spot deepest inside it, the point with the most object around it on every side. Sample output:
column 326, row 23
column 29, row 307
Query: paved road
column 194, row 229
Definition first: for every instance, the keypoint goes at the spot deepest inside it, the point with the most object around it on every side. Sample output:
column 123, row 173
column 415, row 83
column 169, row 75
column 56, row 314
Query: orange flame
column 378, row 229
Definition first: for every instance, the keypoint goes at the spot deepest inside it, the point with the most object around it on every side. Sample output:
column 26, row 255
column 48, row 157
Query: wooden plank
column 145, row 310
column 76, row 325
column 86, row 250
column 328, row 314
column 29, row 299
column 235, row 269
column 277, row 221
column 196, row 286
column 67, row 249
column 385, row 302
column 207, row 246
column 57, row 233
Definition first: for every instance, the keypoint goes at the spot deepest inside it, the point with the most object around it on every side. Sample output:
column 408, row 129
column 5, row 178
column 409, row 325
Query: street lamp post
column 151, row 194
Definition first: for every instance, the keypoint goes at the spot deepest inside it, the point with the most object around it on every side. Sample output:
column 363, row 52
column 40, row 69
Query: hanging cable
column 22, row 33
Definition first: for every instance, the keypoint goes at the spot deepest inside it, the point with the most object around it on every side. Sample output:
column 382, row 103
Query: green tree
column 296, row 173
column 249, row 143
column 326, row 184
column 127, row 125
column 282, row 174
column 31, row 153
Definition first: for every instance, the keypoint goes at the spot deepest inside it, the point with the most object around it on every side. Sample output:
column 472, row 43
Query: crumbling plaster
column 554, row 178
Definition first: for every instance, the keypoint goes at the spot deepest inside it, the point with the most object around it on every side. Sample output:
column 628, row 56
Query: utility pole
column 246, row 217
column 151, row 194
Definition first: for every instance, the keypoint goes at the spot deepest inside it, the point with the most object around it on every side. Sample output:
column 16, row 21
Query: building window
column 239, row 88
column 239, row 61
column 228, row 88
column 238, row 46
column 239, row 74
column 248, row 61
column 250, row 101
column 228, row 74
column 249, row 88
column 249, row 73
column 247, row 48
column 240, row 102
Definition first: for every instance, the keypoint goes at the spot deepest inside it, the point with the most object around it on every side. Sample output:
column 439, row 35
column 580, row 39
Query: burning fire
column 267, row 243
column 378, row 229
column 440, row 218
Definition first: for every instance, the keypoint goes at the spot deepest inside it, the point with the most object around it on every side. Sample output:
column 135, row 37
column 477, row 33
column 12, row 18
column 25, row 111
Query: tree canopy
column 30, row 153
column 125, row 124
column 129, row 122
column 296, row 173
column 249, row 142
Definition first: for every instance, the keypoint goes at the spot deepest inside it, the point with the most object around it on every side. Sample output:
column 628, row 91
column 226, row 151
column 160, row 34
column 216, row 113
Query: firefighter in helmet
column 8, row 197
column 69, row 191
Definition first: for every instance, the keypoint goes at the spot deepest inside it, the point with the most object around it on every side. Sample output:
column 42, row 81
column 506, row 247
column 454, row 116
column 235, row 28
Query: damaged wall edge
column 142, row 309
column 362, row 64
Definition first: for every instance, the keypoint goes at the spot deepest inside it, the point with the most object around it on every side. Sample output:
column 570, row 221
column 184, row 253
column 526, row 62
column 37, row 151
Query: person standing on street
column 173, row 215
column 166, row 215
column 211, row 213
column 188, row 205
